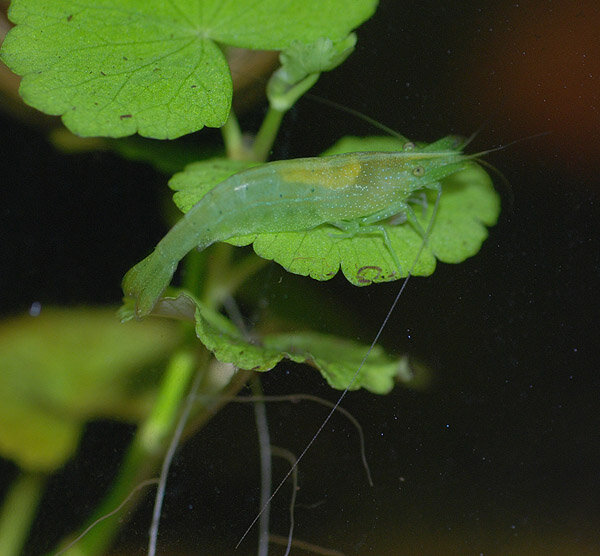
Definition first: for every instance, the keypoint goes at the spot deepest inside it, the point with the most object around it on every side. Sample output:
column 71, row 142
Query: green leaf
column 117, row 67
column 302, row 59
column 336, row 358
column 469, row 203
column 301, row 65
column 198, row 178
column 67, row 366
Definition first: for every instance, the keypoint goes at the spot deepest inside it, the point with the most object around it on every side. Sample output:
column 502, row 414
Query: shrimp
column 354, row 192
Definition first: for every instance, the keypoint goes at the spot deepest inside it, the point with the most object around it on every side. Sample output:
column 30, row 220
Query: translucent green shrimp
column 354, row 192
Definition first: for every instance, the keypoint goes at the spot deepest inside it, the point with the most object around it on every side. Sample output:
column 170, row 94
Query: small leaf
column 301, row 65
column 67, row 366
column 336, row 358
column 302, row 59
column 228, row 344
column 117, row 67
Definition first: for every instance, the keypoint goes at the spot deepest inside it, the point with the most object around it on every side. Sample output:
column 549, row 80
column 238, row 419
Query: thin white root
column 142, row 485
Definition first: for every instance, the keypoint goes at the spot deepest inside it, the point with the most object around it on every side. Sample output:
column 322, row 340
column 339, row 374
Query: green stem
column 282, row 97
column 168, row 460
column 233, row 139
column 144, row 454
column 267, row 134
column 193, row 271
column 215, row 282
column 225, row 279
column 18, row 510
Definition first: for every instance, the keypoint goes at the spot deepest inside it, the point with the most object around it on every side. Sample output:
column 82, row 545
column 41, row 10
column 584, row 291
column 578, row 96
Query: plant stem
column 281, row 98
column 144, row 454
column 224, row 279
column 233, row 139
column 168, row 459
column 18, row 511
column 215, row 286
column 193, row 271
column 267, row 133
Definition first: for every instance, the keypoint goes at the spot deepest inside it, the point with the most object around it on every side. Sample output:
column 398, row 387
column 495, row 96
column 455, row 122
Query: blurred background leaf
column 66, row 366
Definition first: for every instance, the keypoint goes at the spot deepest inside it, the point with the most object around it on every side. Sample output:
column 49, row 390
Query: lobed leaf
column 117, row 67
column 336, row 358
column 301, row 65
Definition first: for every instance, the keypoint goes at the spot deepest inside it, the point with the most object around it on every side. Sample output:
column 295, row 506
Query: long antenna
column 357, row 114
column 354, row 376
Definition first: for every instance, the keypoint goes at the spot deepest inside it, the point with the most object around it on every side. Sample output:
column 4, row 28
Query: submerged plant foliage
column 114, row 68
column 118, row 67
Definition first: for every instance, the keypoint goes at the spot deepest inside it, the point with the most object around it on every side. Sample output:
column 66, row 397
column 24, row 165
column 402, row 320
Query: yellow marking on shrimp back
column 332, row 178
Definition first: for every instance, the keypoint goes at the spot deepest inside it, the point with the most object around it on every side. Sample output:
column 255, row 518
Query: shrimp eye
column 418, row 171
column 408, row 146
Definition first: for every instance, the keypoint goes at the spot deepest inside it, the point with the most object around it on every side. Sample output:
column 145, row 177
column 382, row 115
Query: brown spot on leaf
column 364, row 272
column 125, row 116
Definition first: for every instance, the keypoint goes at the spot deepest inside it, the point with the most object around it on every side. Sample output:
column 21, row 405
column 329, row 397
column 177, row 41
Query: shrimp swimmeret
column 354, row 192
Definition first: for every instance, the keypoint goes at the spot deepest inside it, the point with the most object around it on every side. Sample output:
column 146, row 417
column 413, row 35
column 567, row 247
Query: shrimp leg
column 368, row 226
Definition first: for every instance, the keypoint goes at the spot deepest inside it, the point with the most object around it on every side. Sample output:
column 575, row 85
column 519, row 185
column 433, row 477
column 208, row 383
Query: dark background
column 501, row 454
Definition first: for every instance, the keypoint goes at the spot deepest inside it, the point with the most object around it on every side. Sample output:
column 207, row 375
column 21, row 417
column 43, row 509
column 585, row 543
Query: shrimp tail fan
column 147, row 280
